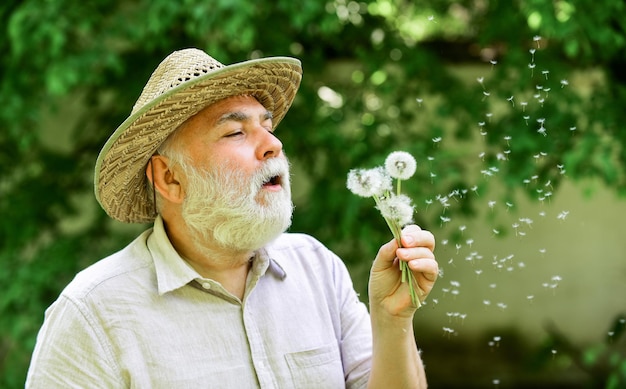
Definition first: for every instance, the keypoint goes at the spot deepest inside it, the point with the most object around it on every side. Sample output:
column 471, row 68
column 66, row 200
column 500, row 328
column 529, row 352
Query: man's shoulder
column 302, row 250
column 125, row 267
column 295, row 241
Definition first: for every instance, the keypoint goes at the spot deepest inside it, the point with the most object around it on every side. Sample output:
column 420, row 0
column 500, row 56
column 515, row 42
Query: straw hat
column 182, row 85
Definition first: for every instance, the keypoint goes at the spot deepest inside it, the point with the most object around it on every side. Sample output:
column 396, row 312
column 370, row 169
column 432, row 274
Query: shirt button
column 206, row 285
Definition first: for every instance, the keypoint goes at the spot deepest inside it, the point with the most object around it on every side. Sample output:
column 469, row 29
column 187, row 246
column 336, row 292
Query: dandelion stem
column 407, row 275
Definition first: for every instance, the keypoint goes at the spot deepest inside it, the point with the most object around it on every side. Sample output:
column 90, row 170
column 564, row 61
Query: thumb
column 386, row 256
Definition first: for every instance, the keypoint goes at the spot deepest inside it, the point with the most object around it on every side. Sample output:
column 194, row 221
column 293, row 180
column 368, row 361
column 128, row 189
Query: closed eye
column 233, row 134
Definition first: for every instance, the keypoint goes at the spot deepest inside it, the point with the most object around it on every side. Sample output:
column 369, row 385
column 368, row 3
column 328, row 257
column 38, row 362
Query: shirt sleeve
column 356, row 330
column 71, row 351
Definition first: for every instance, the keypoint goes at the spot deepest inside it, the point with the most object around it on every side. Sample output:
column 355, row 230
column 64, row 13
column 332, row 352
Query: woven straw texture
column 182, row 85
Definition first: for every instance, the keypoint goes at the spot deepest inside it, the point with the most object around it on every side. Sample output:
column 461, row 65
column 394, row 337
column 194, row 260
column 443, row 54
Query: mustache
column 274, row 170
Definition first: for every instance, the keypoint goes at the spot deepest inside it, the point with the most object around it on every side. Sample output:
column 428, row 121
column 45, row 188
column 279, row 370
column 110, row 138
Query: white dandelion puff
column 400, row 165
column 397, row 208
column 369, row 182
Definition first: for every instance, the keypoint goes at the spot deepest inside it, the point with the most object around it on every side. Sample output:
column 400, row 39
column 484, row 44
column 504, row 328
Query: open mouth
column 273, row 181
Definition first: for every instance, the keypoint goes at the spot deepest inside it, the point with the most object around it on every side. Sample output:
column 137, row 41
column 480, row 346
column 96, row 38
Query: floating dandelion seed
column 419, row 101
column 532, row 54
column 437, row 139
column 510, row 99
column 480, row 80
column 545, row 73
column 524, row 104
column 448, row 331
column 563, row 215
column 536, row 39
column 431, row 18
column 542, row 130
column 564, row 83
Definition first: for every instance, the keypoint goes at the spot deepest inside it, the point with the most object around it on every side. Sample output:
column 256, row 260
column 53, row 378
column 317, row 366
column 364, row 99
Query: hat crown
column 177, row 68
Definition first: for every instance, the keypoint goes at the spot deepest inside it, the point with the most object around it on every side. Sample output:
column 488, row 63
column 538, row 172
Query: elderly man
column 216, row 294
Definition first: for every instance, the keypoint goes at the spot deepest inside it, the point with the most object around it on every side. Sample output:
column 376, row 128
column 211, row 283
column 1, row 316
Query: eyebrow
column 239, row 116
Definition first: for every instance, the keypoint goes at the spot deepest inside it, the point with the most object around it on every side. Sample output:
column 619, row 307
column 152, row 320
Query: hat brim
column 120, row 179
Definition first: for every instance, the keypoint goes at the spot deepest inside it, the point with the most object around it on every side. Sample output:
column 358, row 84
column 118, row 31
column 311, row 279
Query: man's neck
column 227, row 266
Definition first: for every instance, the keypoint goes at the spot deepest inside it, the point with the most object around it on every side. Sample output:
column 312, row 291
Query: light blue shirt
column 143, row 318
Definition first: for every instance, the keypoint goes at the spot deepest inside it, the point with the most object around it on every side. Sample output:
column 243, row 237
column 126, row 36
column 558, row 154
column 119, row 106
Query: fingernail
column 409, row 239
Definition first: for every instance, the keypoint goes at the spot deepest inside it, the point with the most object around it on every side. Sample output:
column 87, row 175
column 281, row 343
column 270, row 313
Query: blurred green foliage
column 388, row 67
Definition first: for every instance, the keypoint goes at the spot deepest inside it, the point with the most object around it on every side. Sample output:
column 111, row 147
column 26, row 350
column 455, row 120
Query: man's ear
column 165, row 180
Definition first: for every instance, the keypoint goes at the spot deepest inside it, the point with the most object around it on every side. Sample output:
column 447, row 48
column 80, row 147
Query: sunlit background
column 513, row 110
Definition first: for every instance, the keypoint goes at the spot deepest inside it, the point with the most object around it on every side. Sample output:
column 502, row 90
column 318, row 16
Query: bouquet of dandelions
column 396, row 208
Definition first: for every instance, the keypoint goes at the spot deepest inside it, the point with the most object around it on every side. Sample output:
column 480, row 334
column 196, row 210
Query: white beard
column 228, row 208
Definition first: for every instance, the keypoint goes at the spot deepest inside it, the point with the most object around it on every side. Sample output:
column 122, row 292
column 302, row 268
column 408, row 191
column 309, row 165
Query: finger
column 386, row 255
column 427, row 267
column 410, row 253
column 413, row 236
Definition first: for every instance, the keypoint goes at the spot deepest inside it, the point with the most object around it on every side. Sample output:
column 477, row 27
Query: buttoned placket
column 258, row 353
column 260, row 359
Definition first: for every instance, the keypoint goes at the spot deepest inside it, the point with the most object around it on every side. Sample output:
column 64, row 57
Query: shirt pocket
column 319, row 368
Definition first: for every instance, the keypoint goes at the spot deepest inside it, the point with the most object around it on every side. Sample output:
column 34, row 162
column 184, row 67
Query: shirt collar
column 173, row 272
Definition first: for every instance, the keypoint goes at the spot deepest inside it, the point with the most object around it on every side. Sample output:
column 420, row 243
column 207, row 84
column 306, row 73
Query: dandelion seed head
column 397, row 208
column 368, row 182
column 400, row 165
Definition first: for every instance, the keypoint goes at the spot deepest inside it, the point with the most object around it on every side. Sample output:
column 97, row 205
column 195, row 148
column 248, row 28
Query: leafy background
column 444, row 80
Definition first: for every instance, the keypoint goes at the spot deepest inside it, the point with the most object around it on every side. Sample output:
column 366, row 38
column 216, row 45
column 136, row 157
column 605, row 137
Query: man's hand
column 387, row 292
